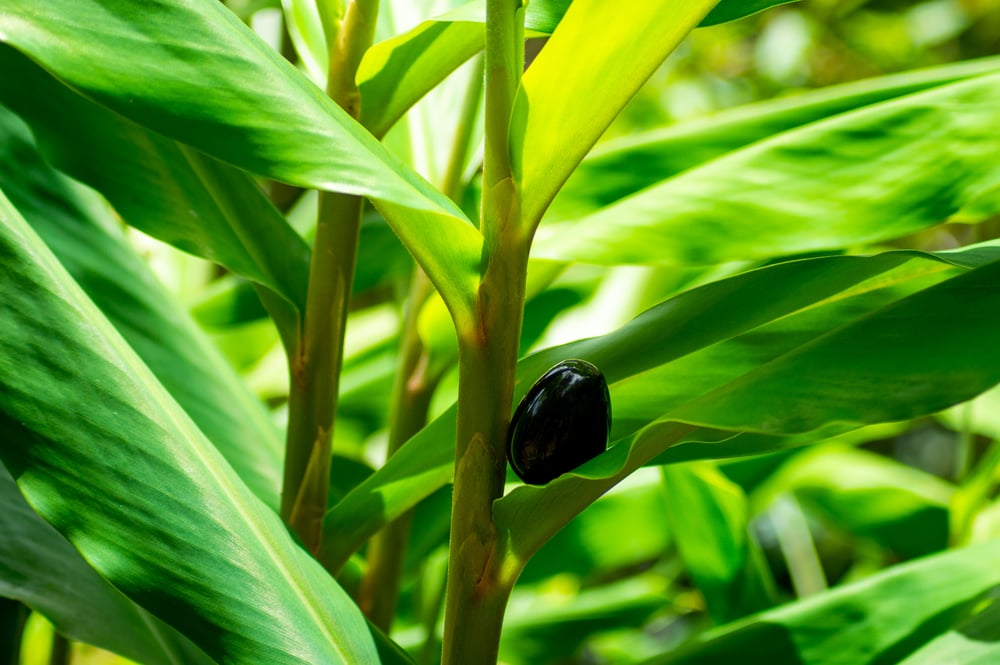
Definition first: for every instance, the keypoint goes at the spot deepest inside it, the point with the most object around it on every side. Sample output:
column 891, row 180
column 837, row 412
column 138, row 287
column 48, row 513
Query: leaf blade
column 105, row 455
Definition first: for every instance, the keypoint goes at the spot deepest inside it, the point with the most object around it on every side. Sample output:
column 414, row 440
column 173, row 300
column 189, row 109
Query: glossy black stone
column 562, row 422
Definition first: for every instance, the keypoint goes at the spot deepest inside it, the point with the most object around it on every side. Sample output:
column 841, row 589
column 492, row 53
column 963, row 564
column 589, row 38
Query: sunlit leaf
column 103, row 453
column 701, row 340
column 90, row 245
column 625, row 166
column 193, row 72
column 880, row 172
column 160, row 187
column 557, row 118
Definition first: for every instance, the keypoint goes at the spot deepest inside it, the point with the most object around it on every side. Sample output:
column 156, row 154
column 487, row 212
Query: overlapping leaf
column 625, row 166
column 902, row 508
column 160, row 187
column 880, row 172
column 709, row 517
column 822, row 378
column 557, row 118
column 193, row 72
column 90, row 246
column 104, row 454
column 42, row 570
column 396, row 72
column 704, row 341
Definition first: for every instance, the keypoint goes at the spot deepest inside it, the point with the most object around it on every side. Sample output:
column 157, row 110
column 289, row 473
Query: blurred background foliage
column 669, row 552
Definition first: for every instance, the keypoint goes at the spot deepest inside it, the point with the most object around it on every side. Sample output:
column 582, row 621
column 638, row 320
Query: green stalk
column 412, row 392
column 315, row 369
column 477, row 592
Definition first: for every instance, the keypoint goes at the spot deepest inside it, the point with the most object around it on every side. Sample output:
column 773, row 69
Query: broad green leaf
column 878, row 354
column 898, row 506
column 817, row 381
column 690, row 345
column 881, row 619
column 543, row 16
column 557, row 118
column 886, row 170
column 42, row 570
column 90, row 245
column 103, row 453
column 621, row 167
column 160, row 187
column 193, row 72
column 709, row 518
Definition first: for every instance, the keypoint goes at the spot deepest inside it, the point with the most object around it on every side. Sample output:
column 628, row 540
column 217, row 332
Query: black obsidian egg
column 562, row 422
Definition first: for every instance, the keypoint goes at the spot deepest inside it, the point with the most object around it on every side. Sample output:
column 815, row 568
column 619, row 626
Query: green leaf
column 160, row 187
column 786, row 380
column 104, row 454
column 90, row 245
column 974, row 641
column 831, row 378
column 305, row 29
column 900, row 507
column 538, row 629
column 42, row 570
column 881, row 619
column 621, row 167
column 194, row 72
column 557, row 118
column 543, row 16
column 397, row 72
column 888, row 170
column 731, row 10
column 693, row 343
column 623, row 529
column 709, row 519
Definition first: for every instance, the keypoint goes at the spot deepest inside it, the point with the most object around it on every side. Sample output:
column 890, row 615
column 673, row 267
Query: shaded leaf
column 709, row 518
column 42, row 570
column 900, row 507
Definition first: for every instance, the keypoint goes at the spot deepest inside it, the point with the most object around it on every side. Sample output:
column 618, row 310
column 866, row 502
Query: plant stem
column 412, row 392
column 477, row 593
column 315, row 369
